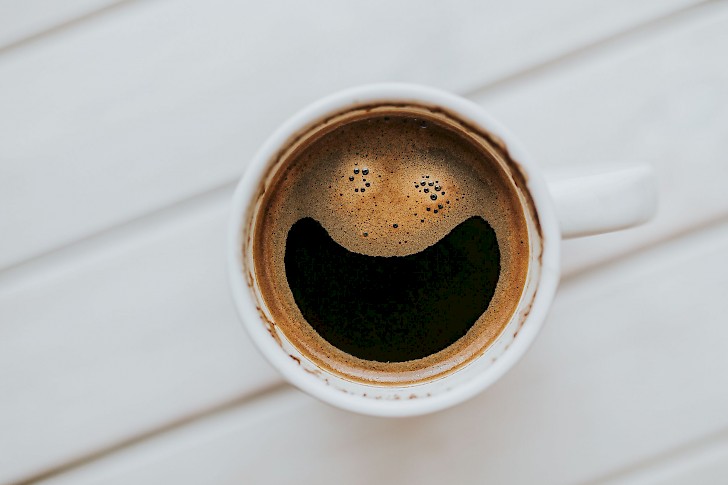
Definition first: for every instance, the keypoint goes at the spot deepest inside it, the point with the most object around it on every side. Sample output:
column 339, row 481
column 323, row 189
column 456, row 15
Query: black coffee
column 390, row 244
column 396, row 308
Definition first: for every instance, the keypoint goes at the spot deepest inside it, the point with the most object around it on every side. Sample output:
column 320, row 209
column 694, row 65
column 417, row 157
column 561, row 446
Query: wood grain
column 134, row 111
column 660, row 99
column 613, row 380
column 137, row 336
column 702, row 463
column 22, row 21
column 134, row 331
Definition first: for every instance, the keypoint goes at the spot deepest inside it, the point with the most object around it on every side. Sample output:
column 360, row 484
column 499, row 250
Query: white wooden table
column 123, row 128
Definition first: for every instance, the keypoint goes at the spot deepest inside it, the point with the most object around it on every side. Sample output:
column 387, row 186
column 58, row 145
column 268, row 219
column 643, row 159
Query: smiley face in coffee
column 390, row 240
column 392, row 308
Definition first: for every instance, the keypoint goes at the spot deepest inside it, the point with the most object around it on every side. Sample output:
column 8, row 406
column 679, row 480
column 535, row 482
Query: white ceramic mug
column 568, row 205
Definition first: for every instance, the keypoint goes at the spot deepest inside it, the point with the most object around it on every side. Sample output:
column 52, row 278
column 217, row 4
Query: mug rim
column 247, row 306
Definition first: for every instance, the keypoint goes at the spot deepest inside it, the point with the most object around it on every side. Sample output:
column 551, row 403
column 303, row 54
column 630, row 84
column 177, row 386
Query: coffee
column 390, row 244
column 396, row 308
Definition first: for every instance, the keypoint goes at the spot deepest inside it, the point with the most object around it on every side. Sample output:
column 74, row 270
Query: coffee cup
column 408, row 140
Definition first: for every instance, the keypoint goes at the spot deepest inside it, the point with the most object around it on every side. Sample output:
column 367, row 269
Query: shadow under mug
column 568, row 203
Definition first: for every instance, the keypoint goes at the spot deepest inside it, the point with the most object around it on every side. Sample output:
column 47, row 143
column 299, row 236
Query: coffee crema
column 390, row 244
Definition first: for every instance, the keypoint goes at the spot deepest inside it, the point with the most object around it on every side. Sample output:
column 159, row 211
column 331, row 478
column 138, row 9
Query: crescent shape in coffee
column 396, row 308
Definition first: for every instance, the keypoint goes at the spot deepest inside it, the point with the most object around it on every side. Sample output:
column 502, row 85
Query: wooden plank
column 615, row 378
column 703, row 464
column 139, row 335
column 645, row 98
column 81, row 318
column 20, row 21
column 162, row 100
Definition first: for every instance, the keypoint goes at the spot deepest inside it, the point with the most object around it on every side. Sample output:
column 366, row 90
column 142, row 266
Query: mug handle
column 598, row 199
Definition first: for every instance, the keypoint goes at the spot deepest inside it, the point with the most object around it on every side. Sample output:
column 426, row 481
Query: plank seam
column 28, row 267
column 649, row 28
column 680, row 454
column 282, row 388
column 235, row 403
column 65, row 26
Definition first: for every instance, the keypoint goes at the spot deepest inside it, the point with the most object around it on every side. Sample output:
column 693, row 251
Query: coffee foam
column 389, row 181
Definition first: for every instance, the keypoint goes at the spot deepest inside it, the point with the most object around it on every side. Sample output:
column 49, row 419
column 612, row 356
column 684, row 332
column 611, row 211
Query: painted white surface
column 132, row 330
column 658, row 96
column 21, row 20
column 162, row 100
column 132, row 337
column 612, row 381
column 705, row 464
